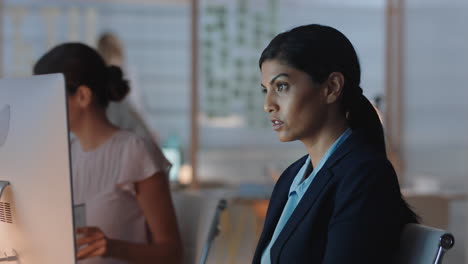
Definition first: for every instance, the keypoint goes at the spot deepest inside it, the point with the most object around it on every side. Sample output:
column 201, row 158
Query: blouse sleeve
column 140, row 160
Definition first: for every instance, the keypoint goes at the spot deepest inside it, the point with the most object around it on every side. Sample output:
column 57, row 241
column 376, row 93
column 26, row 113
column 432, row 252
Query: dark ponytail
column 362, row 117
column 319, row 51
column 82, row 65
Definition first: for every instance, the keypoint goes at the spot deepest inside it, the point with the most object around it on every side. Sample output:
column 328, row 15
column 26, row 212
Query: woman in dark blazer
column 340, row 203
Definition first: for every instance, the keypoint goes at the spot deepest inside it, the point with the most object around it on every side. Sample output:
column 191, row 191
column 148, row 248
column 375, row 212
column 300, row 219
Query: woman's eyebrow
column 277, row 76
column 274, row 78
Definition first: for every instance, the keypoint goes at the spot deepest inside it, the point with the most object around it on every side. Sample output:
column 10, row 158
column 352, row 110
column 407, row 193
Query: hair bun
column 117, row 87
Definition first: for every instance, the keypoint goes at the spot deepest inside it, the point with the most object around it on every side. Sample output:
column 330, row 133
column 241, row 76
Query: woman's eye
column 264, row 90
column 281, row 87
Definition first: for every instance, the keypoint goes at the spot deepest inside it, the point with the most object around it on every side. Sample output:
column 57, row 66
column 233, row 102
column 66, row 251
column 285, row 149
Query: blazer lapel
column 276, row 206
column 310, row 197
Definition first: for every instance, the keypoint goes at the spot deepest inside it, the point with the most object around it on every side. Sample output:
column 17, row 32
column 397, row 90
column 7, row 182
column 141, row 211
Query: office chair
column 421, row 244
column 198, row 220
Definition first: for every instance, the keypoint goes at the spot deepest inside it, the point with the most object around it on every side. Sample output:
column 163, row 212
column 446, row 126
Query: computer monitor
column 36, row 212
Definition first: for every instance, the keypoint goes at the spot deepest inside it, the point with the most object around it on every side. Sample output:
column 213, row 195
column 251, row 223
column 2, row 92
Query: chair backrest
column 423, row 245
column 198, row 220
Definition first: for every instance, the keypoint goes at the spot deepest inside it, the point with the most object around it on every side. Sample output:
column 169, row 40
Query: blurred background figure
column 110, row 48
column 127, row 113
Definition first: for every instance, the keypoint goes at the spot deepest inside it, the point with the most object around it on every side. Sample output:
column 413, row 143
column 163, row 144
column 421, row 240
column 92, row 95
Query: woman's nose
column 270, row 105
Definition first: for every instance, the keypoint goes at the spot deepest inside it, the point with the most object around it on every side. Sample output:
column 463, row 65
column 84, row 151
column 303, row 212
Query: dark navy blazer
column 352, row 212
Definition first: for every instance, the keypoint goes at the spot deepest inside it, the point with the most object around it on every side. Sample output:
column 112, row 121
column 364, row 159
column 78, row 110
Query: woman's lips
column 276, row 124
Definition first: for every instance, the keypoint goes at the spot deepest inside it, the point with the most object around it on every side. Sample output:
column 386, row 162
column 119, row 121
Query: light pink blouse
column 104, row 180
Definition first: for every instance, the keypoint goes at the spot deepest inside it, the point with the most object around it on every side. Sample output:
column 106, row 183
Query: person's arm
column 366, row 223
column 154, row 198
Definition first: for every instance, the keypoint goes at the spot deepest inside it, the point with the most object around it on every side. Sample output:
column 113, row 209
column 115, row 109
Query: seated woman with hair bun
column 123, row 183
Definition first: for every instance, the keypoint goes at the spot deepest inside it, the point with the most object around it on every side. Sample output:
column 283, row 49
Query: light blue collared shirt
column 298, row 187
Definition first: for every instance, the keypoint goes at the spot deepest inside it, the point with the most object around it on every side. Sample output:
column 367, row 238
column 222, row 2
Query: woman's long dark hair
column 319, row 51
column 82, row 65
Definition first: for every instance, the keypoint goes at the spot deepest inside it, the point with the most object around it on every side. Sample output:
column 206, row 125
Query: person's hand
column 91, row 242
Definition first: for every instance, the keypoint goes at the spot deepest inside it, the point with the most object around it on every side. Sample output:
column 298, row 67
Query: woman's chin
column 284, row 138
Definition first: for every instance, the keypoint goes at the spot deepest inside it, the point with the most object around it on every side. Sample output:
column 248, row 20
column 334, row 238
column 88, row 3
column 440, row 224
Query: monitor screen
column 36, row 213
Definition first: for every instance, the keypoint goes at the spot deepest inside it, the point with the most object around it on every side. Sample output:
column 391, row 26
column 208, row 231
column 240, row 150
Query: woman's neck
column 94, row 130
column 318, row 145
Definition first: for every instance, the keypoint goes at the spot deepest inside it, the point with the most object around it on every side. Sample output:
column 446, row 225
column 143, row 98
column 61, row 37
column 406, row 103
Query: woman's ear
column 84, row 96
column 334, row 87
